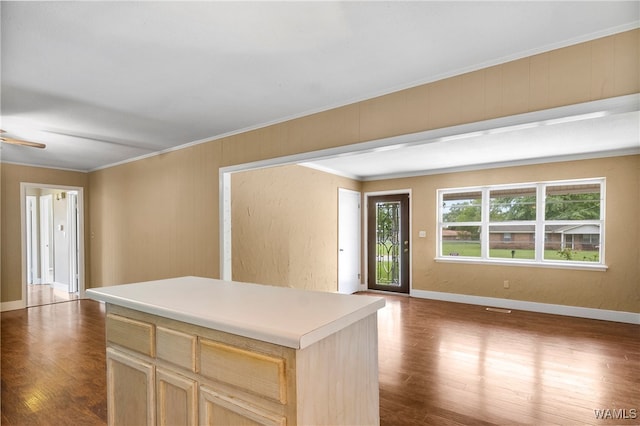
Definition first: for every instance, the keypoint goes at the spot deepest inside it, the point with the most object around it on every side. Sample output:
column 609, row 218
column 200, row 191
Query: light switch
column 422, row 234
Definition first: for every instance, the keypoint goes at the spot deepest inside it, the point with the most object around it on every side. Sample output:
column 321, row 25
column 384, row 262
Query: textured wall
column 285, row 226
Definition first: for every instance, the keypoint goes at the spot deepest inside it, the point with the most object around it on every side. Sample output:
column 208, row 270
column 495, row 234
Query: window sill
column 583, row 266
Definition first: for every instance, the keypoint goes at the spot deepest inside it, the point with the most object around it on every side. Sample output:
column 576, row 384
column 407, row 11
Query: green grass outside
column 471, row 249
column 383, row 266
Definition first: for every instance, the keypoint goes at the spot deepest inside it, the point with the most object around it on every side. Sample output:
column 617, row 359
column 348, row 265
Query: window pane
column 576, row 243
column 461, row 241
column 462, row 207
column 512, row 204
column 512, row 242
column 572, row 202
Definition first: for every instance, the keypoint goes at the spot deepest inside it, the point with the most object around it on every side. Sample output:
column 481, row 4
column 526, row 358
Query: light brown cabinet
column 130, row 390
column 166, row 372
column 176, row 399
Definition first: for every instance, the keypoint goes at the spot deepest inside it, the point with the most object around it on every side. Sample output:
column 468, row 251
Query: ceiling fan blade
column 23, row 143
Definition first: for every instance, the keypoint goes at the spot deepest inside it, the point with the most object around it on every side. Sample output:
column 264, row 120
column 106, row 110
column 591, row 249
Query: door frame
column 24, row 187
column 365, row 234
column 74, row 240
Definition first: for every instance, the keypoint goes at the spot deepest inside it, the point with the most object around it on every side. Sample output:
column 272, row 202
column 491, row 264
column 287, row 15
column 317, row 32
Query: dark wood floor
column 440, row 363
column 52, row 365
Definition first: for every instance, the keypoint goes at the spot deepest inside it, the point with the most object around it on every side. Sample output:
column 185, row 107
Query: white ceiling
column 106, row 82
column 589, row 130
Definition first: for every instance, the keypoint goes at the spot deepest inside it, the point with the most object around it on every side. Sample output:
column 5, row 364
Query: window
column 461, row 212
column 552, row 223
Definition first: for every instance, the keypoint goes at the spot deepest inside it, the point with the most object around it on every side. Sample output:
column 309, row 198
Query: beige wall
column 285, row 227
column 11, row 253
column 615, row 289
column 158, row 217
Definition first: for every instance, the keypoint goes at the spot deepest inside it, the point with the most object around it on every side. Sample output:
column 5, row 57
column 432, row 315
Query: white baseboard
column 13, row 305
column 522, row 305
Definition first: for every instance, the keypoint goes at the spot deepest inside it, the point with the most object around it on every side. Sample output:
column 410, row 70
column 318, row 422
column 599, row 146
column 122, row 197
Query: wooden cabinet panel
column 177, row 402
column 257, row 373
column 176, row 347
column 166, row 372
column 217, row 409
column 131, row 390
column 131, row 334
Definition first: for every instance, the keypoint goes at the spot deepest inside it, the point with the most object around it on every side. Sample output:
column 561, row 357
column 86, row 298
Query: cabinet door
column 217, row 409
column 177, row 403
column 130, row 390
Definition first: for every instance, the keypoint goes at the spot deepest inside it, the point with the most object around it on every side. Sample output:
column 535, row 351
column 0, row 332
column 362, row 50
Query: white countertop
column 283, row 316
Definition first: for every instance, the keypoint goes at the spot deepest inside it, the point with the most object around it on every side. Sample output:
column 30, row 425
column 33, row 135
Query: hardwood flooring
column 45, row 294
column 440, row 363
column 52, row 365
column 444, row 363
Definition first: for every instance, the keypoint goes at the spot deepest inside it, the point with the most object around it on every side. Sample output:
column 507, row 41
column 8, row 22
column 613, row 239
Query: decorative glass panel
column 388, row 243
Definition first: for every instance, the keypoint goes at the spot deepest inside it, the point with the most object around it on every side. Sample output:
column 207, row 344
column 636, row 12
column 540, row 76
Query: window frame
column 540, row 223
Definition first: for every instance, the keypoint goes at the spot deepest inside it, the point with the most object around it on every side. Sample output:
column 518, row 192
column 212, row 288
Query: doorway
column 53, row 244
column 388, row 244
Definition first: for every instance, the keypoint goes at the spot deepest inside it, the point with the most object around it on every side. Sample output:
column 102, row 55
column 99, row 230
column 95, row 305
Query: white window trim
column 540, row 222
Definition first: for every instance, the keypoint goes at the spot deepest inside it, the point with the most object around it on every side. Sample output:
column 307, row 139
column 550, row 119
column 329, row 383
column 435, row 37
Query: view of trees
column 573, row 207
column 509, row 208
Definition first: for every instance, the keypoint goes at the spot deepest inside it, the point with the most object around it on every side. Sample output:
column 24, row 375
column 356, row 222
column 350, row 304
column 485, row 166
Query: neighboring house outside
column 452, row 235
column 512, row 237
column 557, row 237
column 575, row 237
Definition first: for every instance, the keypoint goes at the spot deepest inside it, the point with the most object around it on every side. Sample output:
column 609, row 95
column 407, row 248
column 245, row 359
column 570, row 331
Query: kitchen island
column 196, row 350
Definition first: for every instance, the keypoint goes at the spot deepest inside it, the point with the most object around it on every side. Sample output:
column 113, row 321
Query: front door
column 388, row 248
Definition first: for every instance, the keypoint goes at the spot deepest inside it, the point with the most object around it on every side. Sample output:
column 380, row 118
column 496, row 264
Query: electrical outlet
column 506, row 284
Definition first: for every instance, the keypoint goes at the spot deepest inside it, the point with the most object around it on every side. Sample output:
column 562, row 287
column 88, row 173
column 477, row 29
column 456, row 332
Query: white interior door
column 33, row 277
column 74, row 253
column 46, row 239
column 349, row 240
